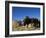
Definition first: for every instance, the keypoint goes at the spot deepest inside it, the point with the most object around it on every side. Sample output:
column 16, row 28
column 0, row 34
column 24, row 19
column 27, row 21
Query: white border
column 25, row 32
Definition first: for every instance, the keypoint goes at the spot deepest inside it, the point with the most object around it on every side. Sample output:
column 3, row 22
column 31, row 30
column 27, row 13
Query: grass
column 22, row 28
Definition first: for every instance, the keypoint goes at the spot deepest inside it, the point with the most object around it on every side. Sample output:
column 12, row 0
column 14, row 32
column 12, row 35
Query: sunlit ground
column 17, row 27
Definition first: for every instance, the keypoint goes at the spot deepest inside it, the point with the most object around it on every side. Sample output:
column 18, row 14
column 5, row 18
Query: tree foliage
column 26, row 20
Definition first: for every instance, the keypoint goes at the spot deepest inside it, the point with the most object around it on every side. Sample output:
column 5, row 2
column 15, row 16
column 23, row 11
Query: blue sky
column 18, row 13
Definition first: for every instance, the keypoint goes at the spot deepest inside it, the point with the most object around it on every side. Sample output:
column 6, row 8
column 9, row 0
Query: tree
column 26, row 20
column 36, row 23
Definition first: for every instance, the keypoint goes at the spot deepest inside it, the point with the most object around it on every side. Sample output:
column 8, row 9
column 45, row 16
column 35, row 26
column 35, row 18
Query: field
column 17, row 27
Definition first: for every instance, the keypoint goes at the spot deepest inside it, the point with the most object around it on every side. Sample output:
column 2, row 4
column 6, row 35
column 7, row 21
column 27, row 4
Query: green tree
column 26, row 21
column 36, row 23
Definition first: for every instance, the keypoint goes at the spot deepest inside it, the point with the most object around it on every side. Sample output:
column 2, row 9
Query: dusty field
column 17, row 27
